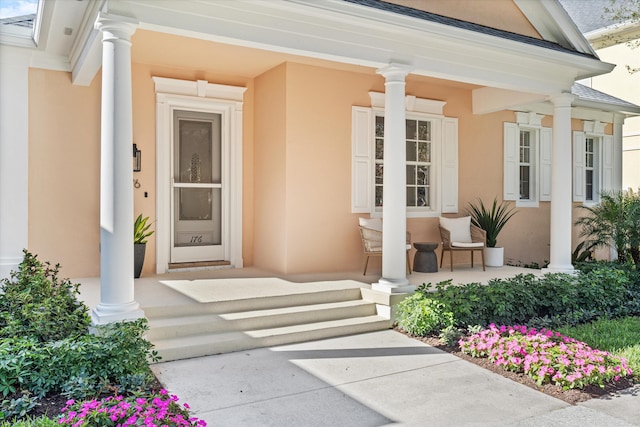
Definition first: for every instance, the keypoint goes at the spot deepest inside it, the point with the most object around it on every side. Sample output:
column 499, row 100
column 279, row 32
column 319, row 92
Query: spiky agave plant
column 491, row 221
column 141, row 229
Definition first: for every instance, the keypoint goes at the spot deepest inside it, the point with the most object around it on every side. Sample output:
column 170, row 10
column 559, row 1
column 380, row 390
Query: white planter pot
column 494, row 257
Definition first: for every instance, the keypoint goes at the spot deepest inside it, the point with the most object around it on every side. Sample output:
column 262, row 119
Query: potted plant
column 491, row 221
column 140, row 234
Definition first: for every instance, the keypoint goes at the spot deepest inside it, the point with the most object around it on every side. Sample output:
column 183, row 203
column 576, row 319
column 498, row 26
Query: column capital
column 562, row 99
column 394, row 72
column 122, row 27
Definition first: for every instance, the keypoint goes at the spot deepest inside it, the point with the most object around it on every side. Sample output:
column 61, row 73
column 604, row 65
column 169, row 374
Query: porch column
column 561, row 220
column 116, row 174
column 394, row 205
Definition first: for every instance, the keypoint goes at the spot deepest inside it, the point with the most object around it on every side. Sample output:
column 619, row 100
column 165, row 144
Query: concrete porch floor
column 149, row 292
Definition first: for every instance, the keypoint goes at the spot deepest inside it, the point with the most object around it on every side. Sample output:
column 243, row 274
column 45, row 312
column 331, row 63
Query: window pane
column 424, row 152
column 411, row 151
column 423, row 175
column 423, row 196
column 195, row 204
column 411, row 196
column 411, row 129
column 379, row 173
column 195, row 161
column 589, row 184
column 525, row 187
column 424, row 131
column 589, row 160
column 378, row 195
column 379, row 127
column 589, row 145
column 379, row 149
column 524, row 154
column 411, row 175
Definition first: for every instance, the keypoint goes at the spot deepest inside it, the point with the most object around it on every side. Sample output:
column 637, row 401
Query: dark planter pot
column 139, row 250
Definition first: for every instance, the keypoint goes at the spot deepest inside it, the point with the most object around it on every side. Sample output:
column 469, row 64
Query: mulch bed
column 572, row 396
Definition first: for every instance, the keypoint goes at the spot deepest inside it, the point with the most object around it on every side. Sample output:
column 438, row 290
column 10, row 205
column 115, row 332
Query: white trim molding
column 208, row 97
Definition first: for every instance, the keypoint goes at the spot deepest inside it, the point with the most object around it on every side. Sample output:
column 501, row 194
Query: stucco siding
column 64, row 164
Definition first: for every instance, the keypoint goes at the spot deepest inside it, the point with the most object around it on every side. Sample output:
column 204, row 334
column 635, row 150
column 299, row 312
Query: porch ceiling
column 352, row 35
column 173, row 51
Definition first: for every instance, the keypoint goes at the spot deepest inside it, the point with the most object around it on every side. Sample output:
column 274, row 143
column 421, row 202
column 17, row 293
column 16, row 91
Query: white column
column 14, row 156
column 394, row 204
column 561, row 184
column 618, row 122
column 116, row 174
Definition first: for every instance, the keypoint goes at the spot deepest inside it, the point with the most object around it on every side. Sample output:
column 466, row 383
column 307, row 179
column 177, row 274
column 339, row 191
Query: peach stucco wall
column 64, row 164
column 296, row 160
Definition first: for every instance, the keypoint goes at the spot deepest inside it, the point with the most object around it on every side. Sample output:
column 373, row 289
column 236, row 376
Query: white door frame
column 199, row 95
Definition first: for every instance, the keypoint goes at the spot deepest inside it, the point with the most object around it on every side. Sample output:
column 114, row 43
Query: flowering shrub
column 161, row 410
column 545, row 356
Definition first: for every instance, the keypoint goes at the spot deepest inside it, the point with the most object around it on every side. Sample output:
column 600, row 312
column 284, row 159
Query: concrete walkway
column 375, row 379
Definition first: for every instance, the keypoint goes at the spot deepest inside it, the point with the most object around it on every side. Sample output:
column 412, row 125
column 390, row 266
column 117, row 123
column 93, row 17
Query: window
column 592, row 166
column 431, row 158
column 527, row 164
column 590, row 170
column 419, row 167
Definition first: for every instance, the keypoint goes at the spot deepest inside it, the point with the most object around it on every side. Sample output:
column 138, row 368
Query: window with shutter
column 431, row 163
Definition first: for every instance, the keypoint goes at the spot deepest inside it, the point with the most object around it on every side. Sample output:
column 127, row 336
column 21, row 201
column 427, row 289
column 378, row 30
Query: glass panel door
column 197, row 187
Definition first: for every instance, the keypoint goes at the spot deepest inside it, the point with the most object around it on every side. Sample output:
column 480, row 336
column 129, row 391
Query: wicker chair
column 476, row 241
column 372, row 242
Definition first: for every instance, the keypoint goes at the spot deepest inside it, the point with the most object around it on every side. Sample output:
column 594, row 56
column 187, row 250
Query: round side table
column 425, row 260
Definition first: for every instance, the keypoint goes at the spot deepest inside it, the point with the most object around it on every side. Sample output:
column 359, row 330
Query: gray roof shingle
column 470, row 26
column 588, row 94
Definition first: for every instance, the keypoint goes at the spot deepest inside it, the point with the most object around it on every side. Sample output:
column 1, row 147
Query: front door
column 197, row 187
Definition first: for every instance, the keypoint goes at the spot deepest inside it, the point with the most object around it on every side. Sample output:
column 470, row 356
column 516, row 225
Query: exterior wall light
column 137, row 159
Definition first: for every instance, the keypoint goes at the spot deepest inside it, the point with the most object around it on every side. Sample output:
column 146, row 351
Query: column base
column 111, row 313
column 568, row 269
column 393, row 286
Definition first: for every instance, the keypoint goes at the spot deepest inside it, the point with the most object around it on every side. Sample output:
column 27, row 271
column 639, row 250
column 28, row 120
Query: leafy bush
column 154, row 409
column 31, row 422
column 34, row 302
column 422, row 316
column 546, row 356
column 614, row 223
column 549, row 301
column 80, row 367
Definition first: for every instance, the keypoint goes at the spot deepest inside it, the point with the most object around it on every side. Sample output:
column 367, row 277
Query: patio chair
column 458, row 234
column 371, row 235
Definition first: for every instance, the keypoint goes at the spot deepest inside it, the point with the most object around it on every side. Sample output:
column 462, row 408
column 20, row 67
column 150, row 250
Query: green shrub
column 599, row 291
column 116, row 357
column 31, row 422
column 419, row 315
column 34, row 302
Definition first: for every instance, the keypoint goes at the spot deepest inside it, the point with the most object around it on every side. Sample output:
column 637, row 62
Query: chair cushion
column 372, row 223
column 460, row 228
column 467, row 245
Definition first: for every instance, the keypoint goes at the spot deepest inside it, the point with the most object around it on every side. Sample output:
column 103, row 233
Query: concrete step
column 252, row 304
column 196, row 324
column 217, row 343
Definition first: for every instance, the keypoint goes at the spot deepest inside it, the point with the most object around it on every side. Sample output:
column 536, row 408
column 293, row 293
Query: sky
column 10, row 8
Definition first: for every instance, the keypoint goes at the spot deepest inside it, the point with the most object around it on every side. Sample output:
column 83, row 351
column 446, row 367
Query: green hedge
column 598, row 290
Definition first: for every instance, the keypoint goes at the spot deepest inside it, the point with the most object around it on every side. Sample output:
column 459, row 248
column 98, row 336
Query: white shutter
column 578, row 166
column 546, row 138
column 450, row 165
column 361, row 160
column 511, row 161
column 607, row 163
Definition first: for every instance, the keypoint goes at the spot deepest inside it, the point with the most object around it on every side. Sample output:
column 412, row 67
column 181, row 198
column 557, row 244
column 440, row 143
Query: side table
column 425, row 260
